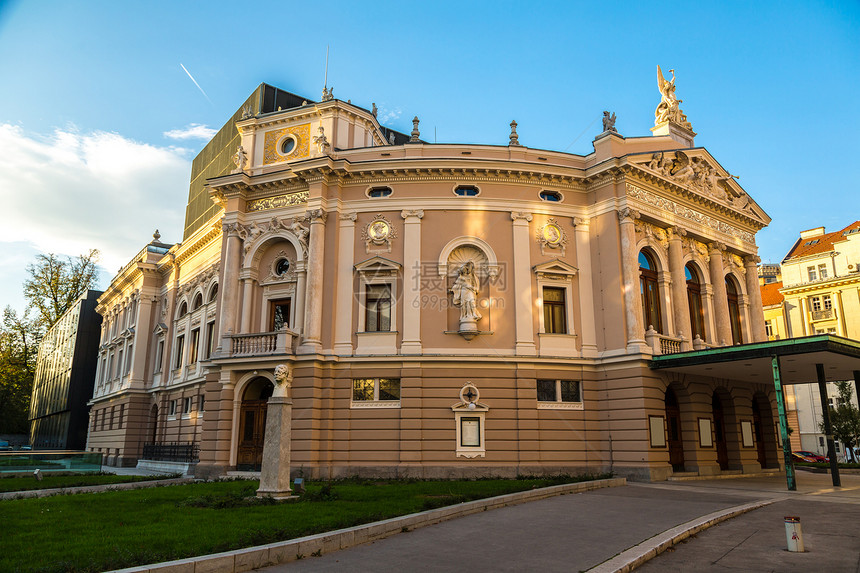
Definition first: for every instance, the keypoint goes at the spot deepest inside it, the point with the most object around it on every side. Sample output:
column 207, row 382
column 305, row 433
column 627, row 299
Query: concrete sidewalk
column 583, row 531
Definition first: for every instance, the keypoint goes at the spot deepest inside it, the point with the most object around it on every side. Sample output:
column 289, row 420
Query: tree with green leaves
column 55, row 283
column 845, row 419
column 19, row 348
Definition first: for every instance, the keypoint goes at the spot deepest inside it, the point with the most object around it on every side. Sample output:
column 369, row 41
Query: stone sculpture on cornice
column 301, row 232
column 240, row 158
column 609, row 122
column 323, row 146
column 669, row 107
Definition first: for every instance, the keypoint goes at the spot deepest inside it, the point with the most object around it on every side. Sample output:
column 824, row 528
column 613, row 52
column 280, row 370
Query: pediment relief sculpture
column 698, row 174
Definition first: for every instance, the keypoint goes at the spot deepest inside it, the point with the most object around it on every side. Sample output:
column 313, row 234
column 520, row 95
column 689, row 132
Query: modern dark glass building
column 65, row 372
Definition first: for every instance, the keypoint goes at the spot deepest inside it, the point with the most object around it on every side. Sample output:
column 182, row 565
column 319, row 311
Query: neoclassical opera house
column 445, row 309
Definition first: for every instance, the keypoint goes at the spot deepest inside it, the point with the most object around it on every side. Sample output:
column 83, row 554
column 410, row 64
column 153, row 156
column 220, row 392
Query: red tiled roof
column 823, row 243
column 770, row 294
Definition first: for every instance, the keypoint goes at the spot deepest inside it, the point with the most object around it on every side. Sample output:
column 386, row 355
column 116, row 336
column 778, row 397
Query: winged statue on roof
column 669, row 107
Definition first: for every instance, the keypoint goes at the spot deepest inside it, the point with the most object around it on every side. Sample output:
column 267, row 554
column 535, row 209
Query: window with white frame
column 768, row 328
column 378, row 308
column 559, row 394
column 813, row 275
column 376, row 392
column 180, row 351
column 119, row 365
column 822, row 271
column 826, row 302
column 195, row 342
column 159, row 352
column 171, row 408
column 186, row 406
column 554, row 310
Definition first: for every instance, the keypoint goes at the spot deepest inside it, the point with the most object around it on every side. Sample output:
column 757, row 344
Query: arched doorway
column 650, row 292
column 764, row 431
column 734, row 310
column 252, row 424
column 720, row 432
column 673, row 426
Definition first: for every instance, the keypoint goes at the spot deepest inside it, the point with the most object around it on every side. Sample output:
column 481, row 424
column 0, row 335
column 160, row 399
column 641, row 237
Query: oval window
column 379, row 192
column 288, row 145
column 466, row 191
column 550, row 196
column 282, row 267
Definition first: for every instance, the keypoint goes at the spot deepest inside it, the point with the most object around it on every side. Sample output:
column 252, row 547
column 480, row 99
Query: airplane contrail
column 195, row 83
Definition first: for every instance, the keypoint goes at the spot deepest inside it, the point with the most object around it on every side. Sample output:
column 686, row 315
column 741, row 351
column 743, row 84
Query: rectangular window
column 180, row 349
column 822, row 271
column 186, row 405
column 559, row 391
column 378, row 307
column 825, row 300
column 195, row 341
column 159, row 353
column 554, row 311
column 172, row 407
column 280, row 314
column 768, row 328
column 812, row 274
column 376, row 390
column 128, row 356
column 210, row 338
column 815, row 303
column 201, row 403
column 119, row 365
column 110, row 368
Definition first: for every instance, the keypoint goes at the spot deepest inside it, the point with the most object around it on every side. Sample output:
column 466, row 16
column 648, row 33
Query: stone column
column 145, row 307
column 721, row 302
column 345, row 296
column 522, row 270
column 311, row 341
column 301, row 293
column 806, row 329
column 247, row 278
column 588, row 329
column 411, row 343
column 230, row 286
column 840, row 317
column 754, row 293
column 680, row 303
column 630, row 280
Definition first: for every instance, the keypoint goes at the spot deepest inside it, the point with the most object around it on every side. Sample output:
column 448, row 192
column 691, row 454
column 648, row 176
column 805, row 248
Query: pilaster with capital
column 680, row 306
column 248, row 278
column 312, row 342
column 630, row 280
column 411, row 343
column 345, row 261
column 754, row 294
column 229, row 284
column 721, row 302
column 525, row 341
column 588, row 329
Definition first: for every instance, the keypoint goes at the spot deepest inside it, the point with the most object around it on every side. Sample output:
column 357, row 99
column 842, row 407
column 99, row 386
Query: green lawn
column 51, row 481
column 110, row 530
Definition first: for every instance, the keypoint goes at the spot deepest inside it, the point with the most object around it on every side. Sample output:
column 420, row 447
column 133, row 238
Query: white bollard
column 793, row 534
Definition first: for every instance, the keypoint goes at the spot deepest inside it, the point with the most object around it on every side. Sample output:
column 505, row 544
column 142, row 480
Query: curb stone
column 285, row 551
column 632, row 558
column 92, row 488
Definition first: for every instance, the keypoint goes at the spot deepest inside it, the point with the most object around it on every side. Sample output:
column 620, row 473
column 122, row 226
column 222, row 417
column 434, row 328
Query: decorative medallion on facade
column 687, row 213
column 377, row 235
column 277, row 148
column 288, row 200
column 552, row 238
column 282, row 269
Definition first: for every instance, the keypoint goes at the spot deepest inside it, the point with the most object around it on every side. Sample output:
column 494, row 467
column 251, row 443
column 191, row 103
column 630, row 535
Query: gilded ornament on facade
column 552, row 238
column 377, row 235
column 272, row 144
column 298, row 198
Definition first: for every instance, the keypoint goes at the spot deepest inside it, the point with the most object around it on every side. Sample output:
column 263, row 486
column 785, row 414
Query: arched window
column 213, row 293
column 734, row 310
column 183, row 309
column 649, row 291
column 694, row 301
column 198, row 302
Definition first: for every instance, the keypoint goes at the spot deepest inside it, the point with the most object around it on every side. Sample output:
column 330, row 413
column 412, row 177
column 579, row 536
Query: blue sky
column 99, row 121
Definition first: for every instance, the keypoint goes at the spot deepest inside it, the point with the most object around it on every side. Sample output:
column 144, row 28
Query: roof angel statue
column 668, row 109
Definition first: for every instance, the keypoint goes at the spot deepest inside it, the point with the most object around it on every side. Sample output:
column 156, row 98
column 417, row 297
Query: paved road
column 578, row 532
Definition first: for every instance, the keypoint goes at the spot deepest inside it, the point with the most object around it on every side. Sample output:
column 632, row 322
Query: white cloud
column 390, row 115
column 192, row 131
column 69, row 192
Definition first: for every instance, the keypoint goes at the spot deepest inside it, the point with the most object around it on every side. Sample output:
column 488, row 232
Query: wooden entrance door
column 673, row 425
column 252, row 431
column 720, row 433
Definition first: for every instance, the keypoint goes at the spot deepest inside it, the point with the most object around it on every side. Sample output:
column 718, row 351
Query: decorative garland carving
column 287, row 200
column 686, row 212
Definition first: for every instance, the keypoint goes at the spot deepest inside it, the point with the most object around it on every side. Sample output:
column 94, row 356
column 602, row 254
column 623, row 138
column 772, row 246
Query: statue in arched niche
column 465, row 291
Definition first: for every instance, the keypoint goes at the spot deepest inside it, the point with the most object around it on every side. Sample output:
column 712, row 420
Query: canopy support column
column 783, row 426
column 828, row 429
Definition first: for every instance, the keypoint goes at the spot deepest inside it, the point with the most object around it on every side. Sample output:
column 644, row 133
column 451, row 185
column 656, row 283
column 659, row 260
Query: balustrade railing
column 262, row 343
column 824, row 314
column 663, row 344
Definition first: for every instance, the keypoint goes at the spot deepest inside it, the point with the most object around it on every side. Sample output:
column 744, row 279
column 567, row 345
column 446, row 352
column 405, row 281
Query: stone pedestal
column 275, row 473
